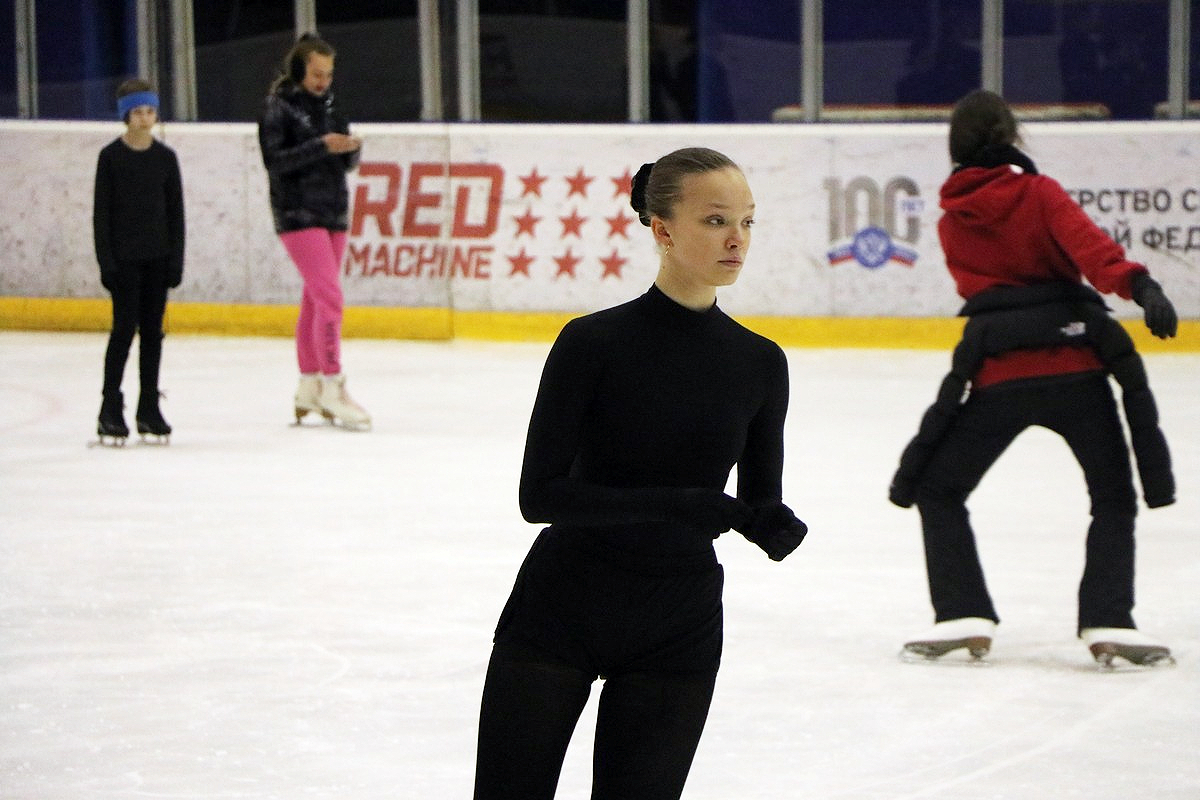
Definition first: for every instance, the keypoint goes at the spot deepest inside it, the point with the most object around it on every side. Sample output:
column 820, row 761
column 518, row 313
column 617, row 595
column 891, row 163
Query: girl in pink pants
column 307, row 150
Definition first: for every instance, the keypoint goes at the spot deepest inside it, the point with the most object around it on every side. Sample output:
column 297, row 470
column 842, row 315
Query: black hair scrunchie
column 995, row 155
column 637, row 193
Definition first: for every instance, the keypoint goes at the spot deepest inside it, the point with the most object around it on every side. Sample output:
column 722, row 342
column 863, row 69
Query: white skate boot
column 1132, row 645
column 337, row 404
column 972, row 633
column 308, row 396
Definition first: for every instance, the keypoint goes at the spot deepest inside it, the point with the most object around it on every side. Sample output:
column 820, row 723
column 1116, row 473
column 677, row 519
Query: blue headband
column 131, row 101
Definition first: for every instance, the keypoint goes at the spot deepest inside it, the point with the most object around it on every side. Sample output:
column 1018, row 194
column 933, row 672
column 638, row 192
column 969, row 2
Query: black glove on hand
column 707, row 510
column 775, row 529
column 1159, row 313
column 902, row 491
column 108, row 279
column 174, row 273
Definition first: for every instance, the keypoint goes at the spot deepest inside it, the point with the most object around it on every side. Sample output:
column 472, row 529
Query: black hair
column 981, row 125
column 133, row 86
column 657, row 187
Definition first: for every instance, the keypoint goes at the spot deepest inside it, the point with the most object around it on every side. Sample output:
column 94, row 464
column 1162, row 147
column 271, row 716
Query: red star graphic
column 613, row 264
column 532, row 183
column 573, row 224
column 579, row 183
column 526, row 222
column 566, row 263
column 617, row 224
column 520, row 263
column 624, row 184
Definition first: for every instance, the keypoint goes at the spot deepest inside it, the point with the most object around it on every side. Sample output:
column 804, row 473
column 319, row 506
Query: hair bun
column 637, row 193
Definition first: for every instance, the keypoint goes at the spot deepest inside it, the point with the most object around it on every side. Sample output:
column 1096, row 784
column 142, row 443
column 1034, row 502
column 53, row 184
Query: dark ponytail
column 637, row 192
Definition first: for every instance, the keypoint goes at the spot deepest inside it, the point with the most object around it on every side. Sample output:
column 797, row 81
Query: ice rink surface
column 263, row 611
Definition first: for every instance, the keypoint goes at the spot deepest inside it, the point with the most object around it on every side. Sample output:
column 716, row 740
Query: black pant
column 655, row 640
column 139, row 300
column 647, row 728
column 1082, row 410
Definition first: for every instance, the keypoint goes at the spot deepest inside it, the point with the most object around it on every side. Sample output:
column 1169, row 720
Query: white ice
column 261, row 611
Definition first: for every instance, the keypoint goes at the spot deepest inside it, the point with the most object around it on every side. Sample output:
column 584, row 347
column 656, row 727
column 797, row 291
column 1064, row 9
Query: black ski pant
column 139, row 300
column 1083, row 411
column 655, row 640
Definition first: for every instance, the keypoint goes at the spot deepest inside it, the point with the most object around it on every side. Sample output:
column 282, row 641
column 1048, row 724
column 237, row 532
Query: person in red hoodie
column 1037, row 349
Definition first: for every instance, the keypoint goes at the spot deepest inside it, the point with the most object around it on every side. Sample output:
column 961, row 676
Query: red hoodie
column 1003, row 227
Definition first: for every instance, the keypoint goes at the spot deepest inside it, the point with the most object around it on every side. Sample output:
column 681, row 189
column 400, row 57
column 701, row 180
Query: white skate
column 1107, row 644
column 974, row 634
column 337, row 405
column 308, row 396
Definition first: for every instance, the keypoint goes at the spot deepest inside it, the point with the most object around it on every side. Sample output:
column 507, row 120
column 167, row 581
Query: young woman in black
column 642, row 412
column 138, row 228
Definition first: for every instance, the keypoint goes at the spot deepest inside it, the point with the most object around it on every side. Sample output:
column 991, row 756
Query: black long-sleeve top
column 646, row 396
column 307, row 182
column 137, row 213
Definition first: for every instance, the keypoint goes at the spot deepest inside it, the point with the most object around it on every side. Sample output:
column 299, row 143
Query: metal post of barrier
column 469, row 102
column 430, row 32
column 26, row 53
column 638, row 43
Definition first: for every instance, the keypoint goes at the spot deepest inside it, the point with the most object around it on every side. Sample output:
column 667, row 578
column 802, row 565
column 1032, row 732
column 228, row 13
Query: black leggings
column 574, row 616
column 1082, row 411
column 647, row 728
column 139, row 300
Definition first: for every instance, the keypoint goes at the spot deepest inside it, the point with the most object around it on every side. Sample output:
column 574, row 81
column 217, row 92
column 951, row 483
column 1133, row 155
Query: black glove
column 108, row 279
column 174, row 273
column 902, row 491
column 775, row 529
column 707, row 510
column 1159, row 313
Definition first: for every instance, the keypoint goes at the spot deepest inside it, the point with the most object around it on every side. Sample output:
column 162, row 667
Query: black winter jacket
column 308, row 183
column 1010, row 317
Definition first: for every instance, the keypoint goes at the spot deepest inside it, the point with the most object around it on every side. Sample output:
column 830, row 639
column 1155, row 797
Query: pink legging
column 317, row 253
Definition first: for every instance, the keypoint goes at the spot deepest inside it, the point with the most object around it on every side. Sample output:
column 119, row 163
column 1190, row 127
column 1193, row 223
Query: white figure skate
column 308, row 396
column 1108, row 644
column 974, row 634
column 337, row 405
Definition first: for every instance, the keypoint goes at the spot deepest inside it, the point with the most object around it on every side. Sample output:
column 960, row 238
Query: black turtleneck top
column 646, row 396
column 138, row 210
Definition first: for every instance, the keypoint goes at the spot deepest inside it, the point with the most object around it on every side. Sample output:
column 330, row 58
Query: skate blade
column 358, row 427
column 301, row 413
column 105, row 440
column 977, row 648
column 154, row 439
column 1138, row 655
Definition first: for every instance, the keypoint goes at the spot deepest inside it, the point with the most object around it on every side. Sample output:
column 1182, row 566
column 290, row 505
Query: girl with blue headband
column 138, row 225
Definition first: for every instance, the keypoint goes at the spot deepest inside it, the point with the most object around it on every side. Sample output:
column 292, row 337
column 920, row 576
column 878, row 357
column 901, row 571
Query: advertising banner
column 536, row 218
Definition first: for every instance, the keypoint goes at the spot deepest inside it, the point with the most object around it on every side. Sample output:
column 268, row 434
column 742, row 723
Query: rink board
column 505, row 231
column 442, row 324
